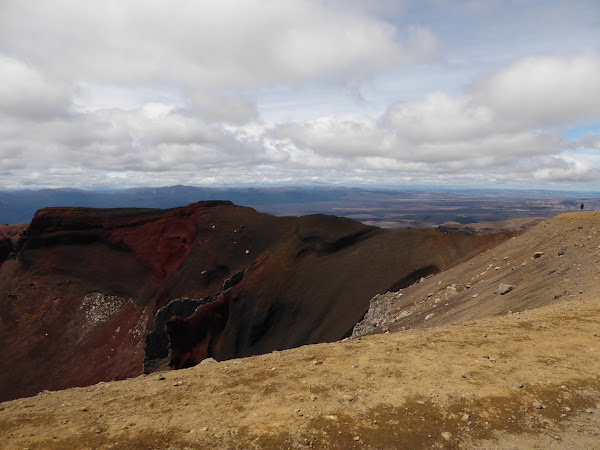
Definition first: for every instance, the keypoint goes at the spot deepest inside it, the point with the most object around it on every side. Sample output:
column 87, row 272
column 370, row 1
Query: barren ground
column 524, row 379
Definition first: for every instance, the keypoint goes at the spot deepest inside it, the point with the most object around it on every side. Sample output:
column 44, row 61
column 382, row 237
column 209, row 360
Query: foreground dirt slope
column 463, row 385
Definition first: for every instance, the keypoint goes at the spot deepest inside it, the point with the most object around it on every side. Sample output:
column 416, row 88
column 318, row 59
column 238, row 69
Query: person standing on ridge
column 582, row 206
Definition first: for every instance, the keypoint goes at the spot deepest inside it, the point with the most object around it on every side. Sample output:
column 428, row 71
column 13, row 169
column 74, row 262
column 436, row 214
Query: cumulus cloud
column 508, row 123
column 156, row 92
column 543, row 91
column 205, row 47
column 26, row 93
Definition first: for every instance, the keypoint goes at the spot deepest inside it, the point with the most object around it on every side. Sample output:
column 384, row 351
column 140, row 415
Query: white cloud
column 185, row 92
column 207, row 48
column 543, row 91
column 25, row 92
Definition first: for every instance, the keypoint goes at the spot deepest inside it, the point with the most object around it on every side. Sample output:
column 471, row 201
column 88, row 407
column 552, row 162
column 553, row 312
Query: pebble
column 505, row 288
column 520, row 385
column 446, row 435
column 355, row 366
column 357, row 438
column 538, row 405
column 161, row 377
column 464, row 375
column 206, row 361
column 429, row 316
column 465, row 417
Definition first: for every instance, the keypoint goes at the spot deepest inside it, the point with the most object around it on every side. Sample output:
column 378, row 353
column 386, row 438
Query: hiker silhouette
column 582, row 206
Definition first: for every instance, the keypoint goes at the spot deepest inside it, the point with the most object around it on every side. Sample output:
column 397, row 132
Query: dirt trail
column 527, row 379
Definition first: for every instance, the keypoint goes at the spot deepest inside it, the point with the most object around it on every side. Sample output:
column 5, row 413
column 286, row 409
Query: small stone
column 451, row 291
column 207, row 361
column 205, row 429
column 313, row 397
column 161, row 377
column 538, row 254
column 520, row 385
column 538, row 405
column 567, row 409
column 465, row 417
column 505, row 288
column 355, row 366
column 446, row 435
column 589, row 411
column 429, row 316
column 357, row 438
column 464, row 375
column 83, row 409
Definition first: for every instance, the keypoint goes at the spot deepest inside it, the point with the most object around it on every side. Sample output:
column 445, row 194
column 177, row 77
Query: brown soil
column 516, row 380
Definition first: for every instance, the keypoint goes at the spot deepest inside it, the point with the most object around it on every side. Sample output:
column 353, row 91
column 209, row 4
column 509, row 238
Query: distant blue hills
column 392, row 206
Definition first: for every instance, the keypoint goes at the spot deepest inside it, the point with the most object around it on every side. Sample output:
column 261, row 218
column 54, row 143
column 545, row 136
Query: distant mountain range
column 382, row 207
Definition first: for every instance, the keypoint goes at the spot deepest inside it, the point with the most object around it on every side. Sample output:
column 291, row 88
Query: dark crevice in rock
column 233, row 280
column 157, row 341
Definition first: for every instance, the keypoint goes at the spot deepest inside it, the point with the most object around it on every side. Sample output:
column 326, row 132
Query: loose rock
column 505, row 288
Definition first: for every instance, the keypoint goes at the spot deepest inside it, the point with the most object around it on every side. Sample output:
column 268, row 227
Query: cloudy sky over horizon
column 122, row 94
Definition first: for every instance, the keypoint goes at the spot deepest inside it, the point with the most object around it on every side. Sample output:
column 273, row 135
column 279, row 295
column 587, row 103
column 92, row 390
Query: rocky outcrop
column 156, row 348
column 10, row 238
column 203, row 328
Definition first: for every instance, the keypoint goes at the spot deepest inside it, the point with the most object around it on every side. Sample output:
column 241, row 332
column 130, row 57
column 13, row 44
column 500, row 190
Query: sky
column 474, row 93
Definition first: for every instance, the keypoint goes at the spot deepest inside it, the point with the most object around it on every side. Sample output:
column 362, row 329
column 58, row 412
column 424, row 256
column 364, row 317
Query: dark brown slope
column 80, row 291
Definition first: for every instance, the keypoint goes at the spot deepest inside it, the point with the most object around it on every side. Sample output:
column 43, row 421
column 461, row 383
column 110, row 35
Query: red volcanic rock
column 79, row 293
column 9, row 238
column 158, row 239
column 202, row 329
